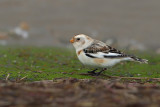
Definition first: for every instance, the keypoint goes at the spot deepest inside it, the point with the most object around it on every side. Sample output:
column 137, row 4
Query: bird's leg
column 98, row 73
column 93, row 71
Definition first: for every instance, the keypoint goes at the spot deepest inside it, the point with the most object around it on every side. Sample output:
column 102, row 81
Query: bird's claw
column 95, row 74
column 91, row 72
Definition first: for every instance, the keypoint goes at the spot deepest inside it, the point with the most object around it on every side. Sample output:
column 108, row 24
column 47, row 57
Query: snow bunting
column 21, row 31
column 97, row 54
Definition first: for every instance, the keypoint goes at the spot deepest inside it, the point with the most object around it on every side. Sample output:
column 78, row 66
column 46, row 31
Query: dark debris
column 79, row 93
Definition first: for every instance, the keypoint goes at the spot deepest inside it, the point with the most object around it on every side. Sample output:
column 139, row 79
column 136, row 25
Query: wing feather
column 99, row 49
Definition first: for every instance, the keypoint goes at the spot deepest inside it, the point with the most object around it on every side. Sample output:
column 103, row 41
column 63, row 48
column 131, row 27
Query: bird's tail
column 139, row 59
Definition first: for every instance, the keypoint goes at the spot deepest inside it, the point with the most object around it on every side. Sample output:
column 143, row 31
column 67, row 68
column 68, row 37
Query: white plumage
column 97, row 54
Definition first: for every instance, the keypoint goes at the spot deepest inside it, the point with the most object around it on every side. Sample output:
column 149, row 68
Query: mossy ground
column 48, row 63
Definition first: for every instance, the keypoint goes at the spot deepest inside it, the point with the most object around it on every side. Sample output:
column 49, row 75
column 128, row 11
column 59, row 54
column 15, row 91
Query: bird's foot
column 92, row 72
column 96, row 74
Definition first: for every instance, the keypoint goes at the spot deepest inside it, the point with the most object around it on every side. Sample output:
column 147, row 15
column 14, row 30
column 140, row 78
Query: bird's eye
column 78, row 39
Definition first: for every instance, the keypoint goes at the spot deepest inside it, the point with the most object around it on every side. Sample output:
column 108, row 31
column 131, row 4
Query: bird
column 97, row 54
column 21, row 31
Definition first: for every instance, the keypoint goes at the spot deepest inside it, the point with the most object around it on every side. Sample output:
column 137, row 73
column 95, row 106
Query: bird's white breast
column 97, row 62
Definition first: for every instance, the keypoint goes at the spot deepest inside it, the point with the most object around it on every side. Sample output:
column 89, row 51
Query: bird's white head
column 81, row 41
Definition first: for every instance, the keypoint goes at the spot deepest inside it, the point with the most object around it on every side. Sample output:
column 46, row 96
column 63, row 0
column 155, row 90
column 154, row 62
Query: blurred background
column 129, row 24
